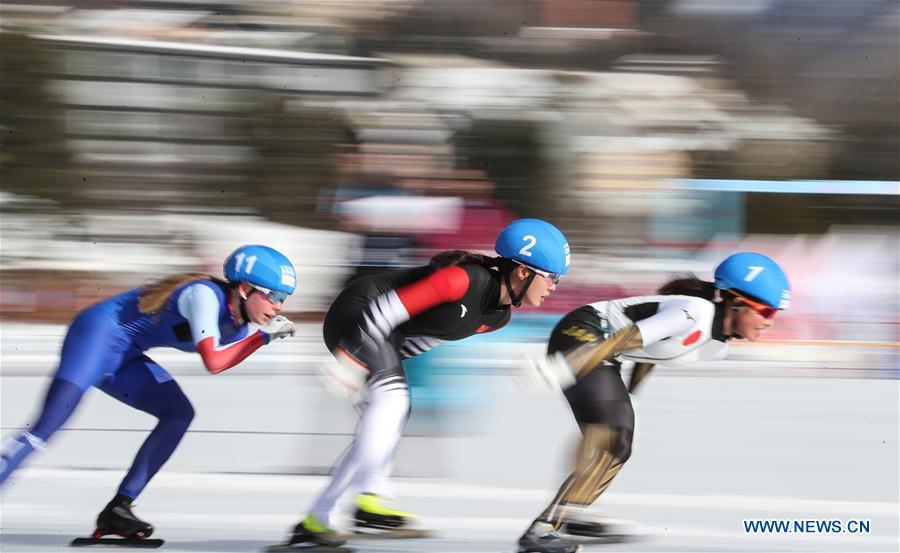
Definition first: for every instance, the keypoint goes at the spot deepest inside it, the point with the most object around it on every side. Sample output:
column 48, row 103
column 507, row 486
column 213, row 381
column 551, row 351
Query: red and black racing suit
column 379, row 321
column 382, row 319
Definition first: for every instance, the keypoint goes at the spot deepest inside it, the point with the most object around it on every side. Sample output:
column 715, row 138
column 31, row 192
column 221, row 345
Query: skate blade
column 598, row 540
column 285, row 548
column 117, row 542
column 398, row 534
column 578, row 549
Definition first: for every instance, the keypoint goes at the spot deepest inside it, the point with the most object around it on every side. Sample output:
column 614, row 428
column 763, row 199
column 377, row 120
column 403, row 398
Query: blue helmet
column 261, row 266
column 535, row 243
column 755, row 275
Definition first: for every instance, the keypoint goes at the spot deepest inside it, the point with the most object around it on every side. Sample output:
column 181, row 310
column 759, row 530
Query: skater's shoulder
column 200, row 294
column 202, row 285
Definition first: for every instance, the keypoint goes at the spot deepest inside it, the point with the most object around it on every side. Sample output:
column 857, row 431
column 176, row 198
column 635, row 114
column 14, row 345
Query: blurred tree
column 648, row 10
column 510, row 153
column 815, row 213
column 34, row 158
column 296, row 149
column 835, row 62
column 465, row 18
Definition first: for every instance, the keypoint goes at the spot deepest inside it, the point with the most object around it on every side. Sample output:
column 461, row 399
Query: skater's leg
column 62, row 398
column 144, row 385
column 379, row 435
column 382, row 416
column 602, row 407
column 341, row 476
column 380, row 431
column 378, row 481
column 597, row 464
column 603, row 411
column 89, row 350
column 383, row 413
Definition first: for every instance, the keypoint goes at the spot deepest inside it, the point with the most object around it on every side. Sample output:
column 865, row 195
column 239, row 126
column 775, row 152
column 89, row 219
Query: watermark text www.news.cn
column 806, row 526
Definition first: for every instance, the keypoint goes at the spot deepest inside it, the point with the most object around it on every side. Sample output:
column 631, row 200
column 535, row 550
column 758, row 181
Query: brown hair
column 452, row 258
column 155, row 295
column 688, row 285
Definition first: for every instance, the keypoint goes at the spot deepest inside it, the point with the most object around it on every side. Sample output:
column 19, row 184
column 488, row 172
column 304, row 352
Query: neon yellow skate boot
column 371, row 512
column 311, row 531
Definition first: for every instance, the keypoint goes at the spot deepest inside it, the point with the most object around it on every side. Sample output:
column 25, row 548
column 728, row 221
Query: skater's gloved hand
column 546, row 373
column 279, row 327
column 344, row 376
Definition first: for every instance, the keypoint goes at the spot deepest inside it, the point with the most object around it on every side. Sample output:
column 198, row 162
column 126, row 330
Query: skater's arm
column 393, row 308
column 200, row 306
column 585, row 358
column 442, row 286
column 217, row 360
column 672, row 319
column 563, row 369
column 220, row 359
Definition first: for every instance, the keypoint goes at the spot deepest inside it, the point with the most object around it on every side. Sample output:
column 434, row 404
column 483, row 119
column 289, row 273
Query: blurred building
column 656, row 133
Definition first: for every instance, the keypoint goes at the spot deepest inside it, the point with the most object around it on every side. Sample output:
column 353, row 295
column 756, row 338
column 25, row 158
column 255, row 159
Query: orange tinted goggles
column 766, row 311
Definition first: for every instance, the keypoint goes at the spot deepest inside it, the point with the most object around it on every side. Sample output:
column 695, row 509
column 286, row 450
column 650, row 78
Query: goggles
column 552, row 278
column 766, row 311
column 273, row 296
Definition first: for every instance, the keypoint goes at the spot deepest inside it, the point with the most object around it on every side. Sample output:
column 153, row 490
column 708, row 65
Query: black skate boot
column 311, row 532
column 587, row 529
column 541, row 538
column 591, row 527
column 116, row 519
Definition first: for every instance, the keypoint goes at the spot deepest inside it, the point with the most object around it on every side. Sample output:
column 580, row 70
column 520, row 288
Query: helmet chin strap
column 244, row 314
column 734, row 311
column 728, row 302
column 242, row 306
column 517, row 299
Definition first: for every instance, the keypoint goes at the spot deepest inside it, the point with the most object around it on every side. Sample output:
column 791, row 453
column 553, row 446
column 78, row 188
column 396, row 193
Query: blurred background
column 147, row 137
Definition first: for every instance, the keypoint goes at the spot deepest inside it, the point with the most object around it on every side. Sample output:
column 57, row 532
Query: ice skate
column 375, row 520
column 541, row 538
column 311, row 534
column 117, row 519
column 592, row 527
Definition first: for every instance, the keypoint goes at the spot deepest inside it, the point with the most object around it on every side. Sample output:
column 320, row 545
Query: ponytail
column 453, row 258
column 688, row 285
column 155, row 296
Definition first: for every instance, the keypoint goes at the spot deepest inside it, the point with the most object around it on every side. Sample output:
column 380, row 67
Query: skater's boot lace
column 371, row 512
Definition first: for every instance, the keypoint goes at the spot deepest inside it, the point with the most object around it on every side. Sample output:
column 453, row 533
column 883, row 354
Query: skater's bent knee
column 184, row 412
column 622, row 445
column 180, row 411
column 600, row 438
